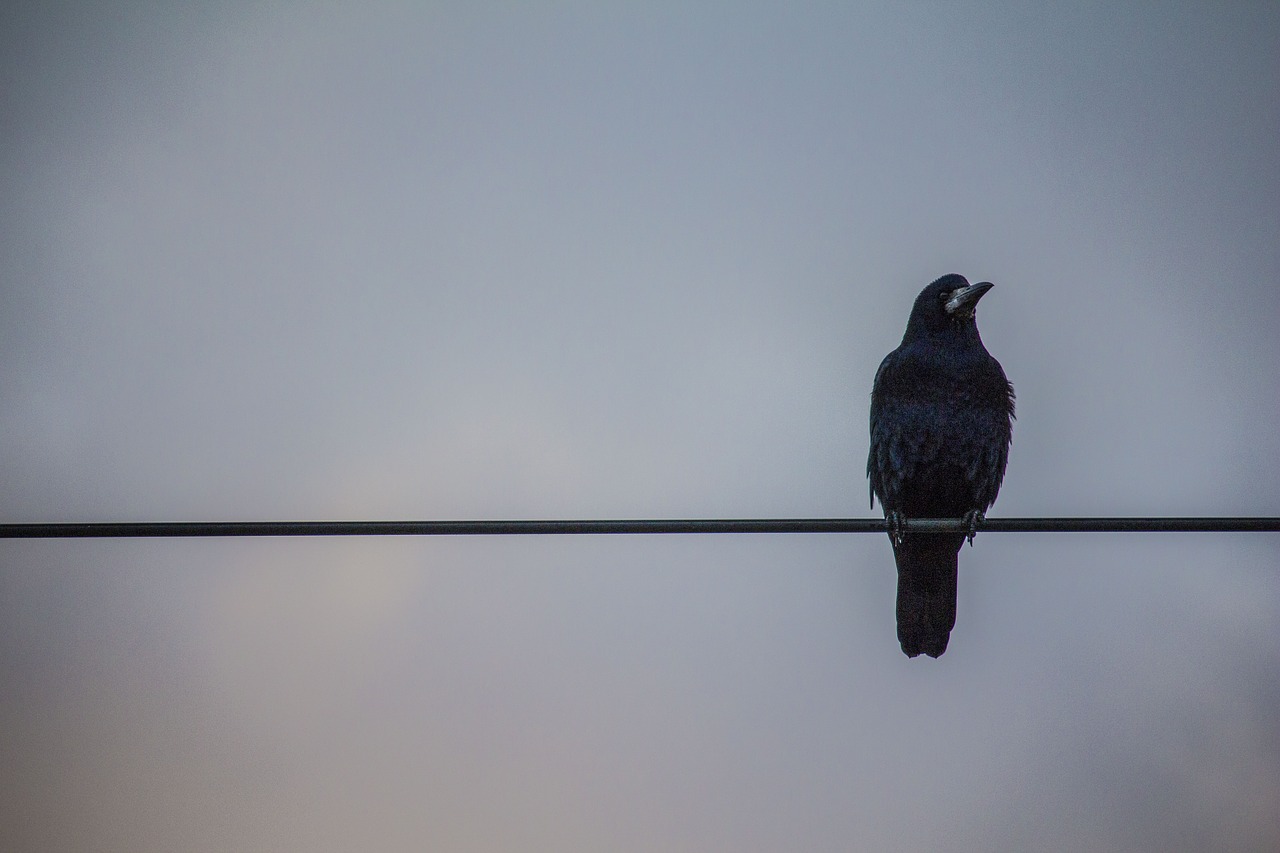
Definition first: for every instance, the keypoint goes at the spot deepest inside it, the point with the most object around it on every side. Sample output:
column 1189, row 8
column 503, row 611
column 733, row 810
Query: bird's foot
column 973, row 518
column 897, row 526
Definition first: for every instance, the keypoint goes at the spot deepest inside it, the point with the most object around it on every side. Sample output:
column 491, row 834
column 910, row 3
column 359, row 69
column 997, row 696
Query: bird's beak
column 964, row 300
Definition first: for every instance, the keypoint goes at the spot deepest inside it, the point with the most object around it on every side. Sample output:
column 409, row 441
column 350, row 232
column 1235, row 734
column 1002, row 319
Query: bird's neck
column 959, row 334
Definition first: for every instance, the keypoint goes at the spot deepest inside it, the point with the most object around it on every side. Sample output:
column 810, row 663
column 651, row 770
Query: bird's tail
column 926, row 591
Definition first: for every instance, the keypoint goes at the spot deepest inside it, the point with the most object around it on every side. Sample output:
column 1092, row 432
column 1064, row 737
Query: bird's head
column 948, row 302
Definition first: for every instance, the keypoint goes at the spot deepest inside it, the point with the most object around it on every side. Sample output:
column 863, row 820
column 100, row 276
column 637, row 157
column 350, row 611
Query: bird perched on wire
column 941, row 424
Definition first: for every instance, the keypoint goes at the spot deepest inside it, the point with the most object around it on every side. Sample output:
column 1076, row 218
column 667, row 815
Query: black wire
column 179, row 529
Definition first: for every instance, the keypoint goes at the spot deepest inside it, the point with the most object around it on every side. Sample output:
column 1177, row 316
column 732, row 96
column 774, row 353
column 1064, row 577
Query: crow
column 941, row 424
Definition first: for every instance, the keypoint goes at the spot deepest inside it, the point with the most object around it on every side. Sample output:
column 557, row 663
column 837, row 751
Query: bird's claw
column 973, row 518
column 897, row 526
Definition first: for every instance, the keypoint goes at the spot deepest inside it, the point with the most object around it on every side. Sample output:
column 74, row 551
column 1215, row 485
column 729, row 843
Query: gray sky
column 450, row 260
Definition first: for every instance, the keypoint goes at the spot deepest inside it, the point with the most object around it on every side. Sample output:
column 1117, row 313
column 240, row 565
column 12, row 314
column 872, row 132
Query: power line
column 189, row 529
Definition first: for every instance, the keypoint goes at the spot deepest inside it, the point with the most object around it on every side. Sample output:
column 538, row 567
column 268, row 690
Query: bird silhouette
column 941, row 423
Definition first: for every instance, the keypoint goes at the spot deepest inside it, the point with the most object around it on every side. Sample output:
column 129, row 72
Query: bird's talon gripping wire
column 897, row 526
column 973, row 518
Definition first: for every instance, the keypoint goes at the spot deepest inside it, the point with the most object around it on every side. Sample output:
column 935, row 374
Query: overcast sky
column 293, row 260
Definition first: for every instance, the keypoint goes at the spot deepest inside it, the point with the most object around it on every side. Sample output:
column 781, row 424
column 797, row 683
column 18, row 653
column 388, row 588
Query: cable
column 187, row 529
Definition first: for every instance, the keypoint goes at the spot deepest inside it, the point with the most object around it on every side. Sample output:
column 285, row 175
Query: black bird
column 941, row 423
